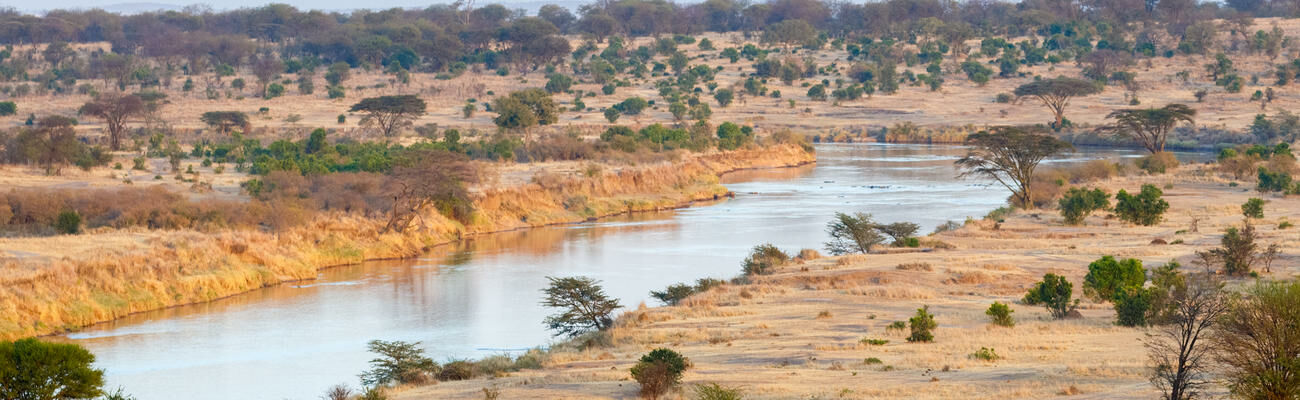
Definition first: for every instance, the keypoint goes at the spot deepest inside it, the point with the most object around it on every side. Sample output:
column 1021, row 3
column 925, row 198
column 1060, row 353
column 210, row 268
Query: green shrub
column 714, row 391
column 855, row 233
column 1147, row 208
column 896, row 326
column 763, row 259
column 336, row 92
column 1274, row 181
column 1132, row 305
column 68, row 222
column 1054, row 293
column 659, row 372
column 985, row 354
column 1253, row 208
column 874, row 342
column 35, row 369
column 872, row 361
column 274, row 90
column 1285, row 225
column 922, row 326
column 1108, row 276
column 1078, row 203
column 675, row 293
column 398, row 361
column 1000, row 314
column 8, row 108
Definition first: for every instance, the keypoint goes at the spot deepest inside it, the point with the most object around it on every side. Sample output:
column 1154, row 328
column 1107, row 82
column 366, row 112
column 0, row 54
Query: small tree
column 583, row 306
column 1009, row 156
column 1146, row 209
column 225, row 121
column 659, row 372
column 1053, row 293
column 763, row 259
column 852, row 234
column 1257, row 344
column 1078, row 203
column 724, row 97
column 1000, row 314
column 899, row 232
column 114, row 109
column 922, row 326
column 1132, row 305
column 1176, row 349
column 399, row 362
column 31, row 369
column 68, row 222
column 1239, row 250
column 1253, row 208
column 1150, row 127
column 1056, row 93
column 1107, row 277
column 390, row 112
column 558, row 83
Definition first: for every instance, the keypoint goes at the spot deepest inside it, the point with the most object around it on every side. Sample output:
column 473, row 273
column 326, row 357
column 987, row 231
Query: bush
column 852, row 234
column 659, row 372
column 1078, row 203
column 8, row 108
column 1158, row 163
column 35, row 369
column 1000, row 314
column 1253, row 208
column 456, row 370
column 1274, row 181
column 1106, row 277
column 68, row 222
column 1053, row 293
column 874, row 342
column 675, row 293
column 763, row 259
column 1132, row 305
column 712, row 390
column 922, row 326
column 985, row 354
column 1147, row 208
column 398, row 361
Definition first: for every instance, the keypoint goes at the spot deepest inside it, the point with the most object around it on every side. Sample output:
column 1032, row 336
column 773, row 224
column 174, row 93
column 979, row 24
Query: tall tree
column 1009, row 156
column 1149, row 127
column 115, row 109
column 1056, row 93
column 390, row 112
column 1177, row 349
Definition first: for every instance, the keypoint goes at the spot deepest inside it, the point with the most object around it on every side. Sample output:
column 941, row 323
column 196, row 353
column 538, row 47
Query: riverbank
column 799, row 332
column 137, row 270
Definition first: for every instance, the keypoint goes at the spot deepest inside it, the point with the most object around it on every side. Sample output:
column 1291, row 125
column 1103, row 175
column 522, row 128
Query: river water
column 480, row 298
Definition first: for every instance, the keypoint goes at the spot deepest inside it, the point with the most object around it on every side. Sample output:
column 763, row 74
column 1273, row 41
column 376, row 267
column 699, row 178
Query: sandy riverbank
column 796, row 333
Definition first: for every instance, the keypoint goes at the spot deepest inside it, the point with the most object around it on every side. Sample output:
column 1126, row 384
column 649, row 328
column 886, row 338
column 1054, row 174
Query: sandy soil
column 796, row 334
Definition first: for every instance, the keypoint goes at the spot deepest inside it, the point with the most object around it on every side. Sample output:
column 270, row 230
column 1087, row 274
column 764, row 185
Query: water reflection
column 481, row 297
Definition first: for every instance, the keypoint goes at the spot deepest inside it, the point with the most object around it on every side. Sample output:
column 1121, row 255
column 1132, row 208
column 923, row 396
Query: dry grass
column 798, row 332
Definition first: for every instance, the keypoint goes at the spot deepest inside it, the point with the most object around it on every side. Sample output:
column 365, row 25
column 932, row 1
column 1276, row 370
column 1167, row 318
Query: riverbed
column 480, row 297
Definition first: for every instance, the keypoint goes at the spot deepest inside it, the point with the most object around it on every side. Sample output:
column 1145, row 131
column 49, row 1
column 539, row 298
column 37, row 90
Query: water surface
column 481, row 297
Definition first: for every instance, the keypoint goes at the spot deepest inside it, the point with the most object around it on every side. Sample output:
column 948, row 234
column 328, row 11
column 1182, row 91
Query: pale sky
column 331, row 5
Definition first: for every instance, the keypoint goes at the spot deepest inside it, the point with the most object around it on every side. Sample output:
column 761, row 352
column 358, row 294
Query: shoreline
column 678, row 184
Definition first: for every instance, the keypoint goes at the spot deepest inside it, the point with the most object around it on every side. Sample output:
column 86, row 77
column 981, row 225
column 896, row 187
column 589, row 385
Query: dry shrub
column 824, row 314
column 1044, row 189
column 1158, row 163
column 1240, row 166
column 558, row 147
column 1094, row 170
column 969, row 278
column 1282, row 163
column 153, row 207
column 808, row 255
column 915, row 266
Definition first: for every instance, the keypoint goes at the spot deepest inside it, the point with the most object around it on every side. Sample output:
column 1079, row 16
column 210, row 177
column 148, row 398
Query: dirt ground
column 959, row 102
column 797, row 333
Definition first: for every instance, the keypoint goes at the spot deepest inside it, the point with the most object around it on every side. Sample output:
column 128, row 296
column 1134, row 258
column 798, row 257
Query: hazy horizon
column 128, row 6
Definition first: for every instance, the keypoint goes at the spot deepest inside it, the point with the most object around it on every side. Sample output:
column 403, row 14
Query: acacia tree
column 224, row 121
column 1176, row 351
column 115, row 109
column 1056, row 93
column 430, row 178
column 583, row 306
column 390, row 112
column 1009, row 156
column 1149, row 127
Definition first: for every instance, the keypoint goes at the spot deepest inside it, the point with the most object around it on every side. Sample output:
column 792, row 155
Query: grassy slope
column 174, row 268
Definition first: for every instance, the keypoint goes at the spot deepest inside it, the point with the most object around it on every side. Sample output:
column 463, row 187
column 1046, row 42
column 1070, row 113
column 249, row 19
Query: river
column 480, row 298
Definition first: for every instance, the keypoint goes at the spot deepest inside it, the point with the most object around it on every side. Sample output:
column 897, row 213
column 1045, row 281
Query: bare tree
column 1257, row 344
column 1177, row 349
column 430, row 178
